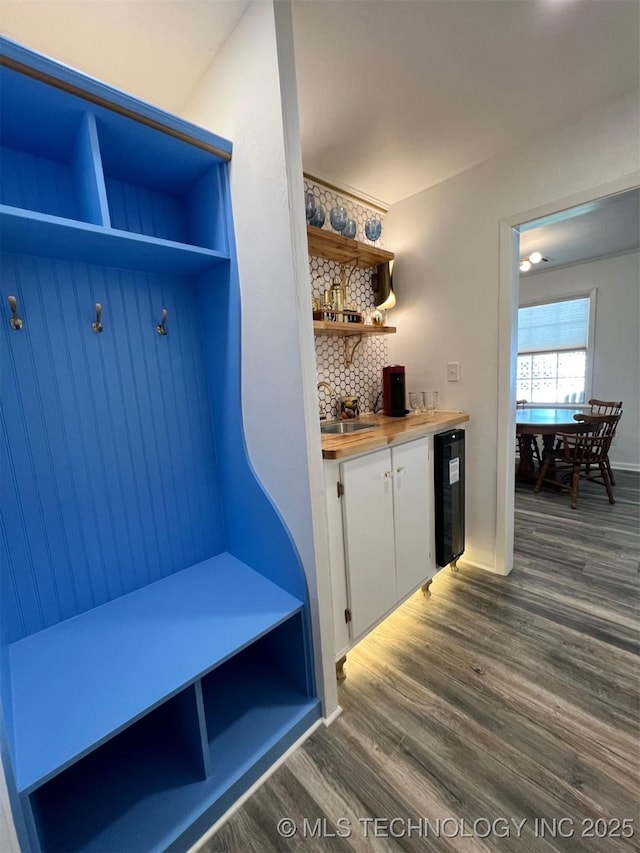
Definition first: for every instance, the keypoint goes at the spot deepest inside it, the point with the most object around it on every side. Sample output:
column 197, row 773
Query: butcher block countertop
column 390, row 431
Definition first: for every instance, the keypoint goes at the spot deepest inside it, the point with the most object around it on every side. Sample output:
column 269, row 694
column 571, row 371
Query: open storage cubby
column 44, row 153
column 251, row 699
column 75, row 163
column 192, row 755
column 155, row 652
column 127, row 787
column 174, row 197
column 216, row 630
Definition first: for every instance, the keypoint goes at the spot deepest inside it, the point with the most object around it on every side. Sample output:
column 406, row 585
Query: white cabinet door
column 413, row 514
column 367, row 507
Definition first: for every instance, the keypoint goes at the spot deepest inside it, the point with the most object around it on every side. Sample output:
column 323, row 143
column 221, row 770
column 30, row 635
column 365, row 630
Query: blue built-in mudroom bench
column 155, row 653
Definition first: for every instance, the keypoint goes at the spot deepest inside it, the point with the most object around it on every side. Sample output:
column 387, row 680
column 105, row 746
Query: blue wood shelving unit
column 154, row 629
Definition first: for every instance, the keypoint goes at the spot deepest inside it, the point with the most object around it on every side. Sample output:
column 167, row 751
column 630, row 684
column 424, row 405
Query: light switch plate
column 453, row 371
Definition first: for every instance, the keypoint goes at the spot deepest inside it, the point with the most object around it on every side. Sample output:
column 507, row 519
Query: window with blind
column 553, row 349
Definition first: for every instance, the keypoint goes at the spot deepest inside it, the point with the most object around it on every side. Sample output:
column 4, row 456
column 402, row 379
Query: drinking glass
column 338, row 218
column 349, row 229
column 431, row 402
column 416, row 401
column 372, row 229
column 318, row 217
column 310, row 205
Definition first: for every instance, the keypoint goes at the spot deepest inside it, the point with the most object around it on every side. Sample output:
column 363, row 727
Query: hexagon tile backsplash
column 363, row 378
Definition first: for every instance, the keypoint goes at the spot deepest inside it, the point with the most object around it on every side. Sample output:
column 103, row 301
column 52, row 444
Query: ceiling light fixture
column 534, row 258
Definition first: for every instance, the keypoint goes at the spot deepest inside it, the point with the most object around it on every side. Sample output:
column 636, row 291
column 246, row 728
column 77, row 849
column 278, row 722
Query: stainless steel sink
column 345, row 427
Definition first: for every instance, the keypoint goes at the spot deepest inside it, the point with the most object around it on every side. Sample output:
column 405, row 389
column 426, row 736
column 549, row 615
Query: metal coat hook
column 161, row 328
column 97, row 326
column 15, row 322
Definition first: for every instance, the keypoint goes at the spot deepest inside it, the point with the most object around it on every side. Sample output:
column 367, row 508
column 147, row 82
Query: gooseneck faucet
column 330, row 389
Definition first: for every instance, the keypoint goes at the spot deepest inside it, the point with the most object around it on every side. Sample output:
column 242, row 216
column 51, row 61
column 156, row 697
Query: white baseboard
column 242, row 800
column 625, row 466
column 474, row 564
column 333, row 716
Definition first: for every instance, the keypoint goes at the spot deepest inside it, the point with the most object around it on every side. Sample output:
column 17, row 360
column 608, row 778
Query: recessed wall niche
column 364, row 376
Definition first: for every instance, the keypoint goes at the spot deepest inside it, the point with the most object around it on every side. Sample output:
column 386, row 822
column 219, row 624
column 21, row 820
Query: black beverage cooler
column 449, row 495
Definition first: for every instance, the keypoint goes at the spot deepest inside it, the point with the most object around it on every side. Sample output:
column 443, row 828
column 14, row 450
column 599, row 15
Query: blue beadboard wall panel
column 257, row 533
column 108, row 446
column 37, row 184
column 7, row 594
column 10, row 606
column 143, row 211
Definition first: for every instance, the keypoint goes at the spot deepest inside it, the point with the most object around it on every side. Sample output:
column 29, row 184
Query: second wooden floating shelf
column 328, row 327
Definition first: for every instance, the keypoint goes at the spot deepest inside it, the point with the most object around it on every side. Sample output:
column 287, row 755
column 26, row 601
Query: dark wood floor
column 496, row 700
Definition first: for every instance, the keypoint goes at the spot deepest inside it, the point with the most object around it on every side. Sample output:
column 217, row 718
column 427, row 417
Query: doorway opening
column 578, row 236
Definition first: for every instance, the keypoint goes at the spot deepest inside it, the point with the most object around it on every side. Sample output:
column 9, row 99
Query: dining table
column 546, row 422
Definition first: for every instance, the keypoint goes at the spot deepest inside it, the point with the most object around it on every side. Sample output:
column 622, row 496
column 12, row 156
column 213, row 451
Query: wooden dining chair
column 535, row 447
column 604, row 407
column 580, row 450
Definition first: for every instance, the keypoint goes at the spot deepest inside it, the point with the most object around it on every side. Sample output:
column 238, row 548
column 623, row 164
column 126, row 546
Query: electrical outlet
column 453, row 371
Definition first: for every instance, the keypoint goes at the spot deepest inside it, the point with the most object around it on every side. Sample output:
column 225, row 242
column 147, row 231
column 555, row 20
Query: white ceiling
column 394, row 96
column 156, row 50
column 398, row 96
column 607, row 226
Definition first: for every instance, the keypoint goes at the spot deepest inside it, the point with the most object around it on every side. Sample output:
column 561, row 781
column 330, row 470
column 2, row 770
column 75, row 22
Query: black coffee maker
column 393, row 390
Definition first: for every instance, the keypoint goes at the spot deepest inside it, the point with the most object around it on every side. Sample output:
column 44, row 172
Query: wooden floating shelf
column 329, row 327
column 333, row 247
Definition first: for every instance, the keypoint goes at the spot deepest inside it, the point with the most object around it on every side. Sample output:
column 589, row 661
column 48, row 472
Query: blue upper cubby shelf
column 77, row 159
column 27, row 232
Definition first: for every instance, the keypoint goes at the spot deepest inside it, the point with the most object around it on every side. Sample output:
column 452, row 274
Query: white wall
column 447, row 278
column 8, row 839
column 249, row 96
column 616, row 366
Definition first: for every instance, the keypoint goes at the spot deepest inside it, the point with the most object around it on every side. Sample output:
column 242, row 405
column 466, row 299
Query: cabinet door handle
column 387, row 475
column 400, row 470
